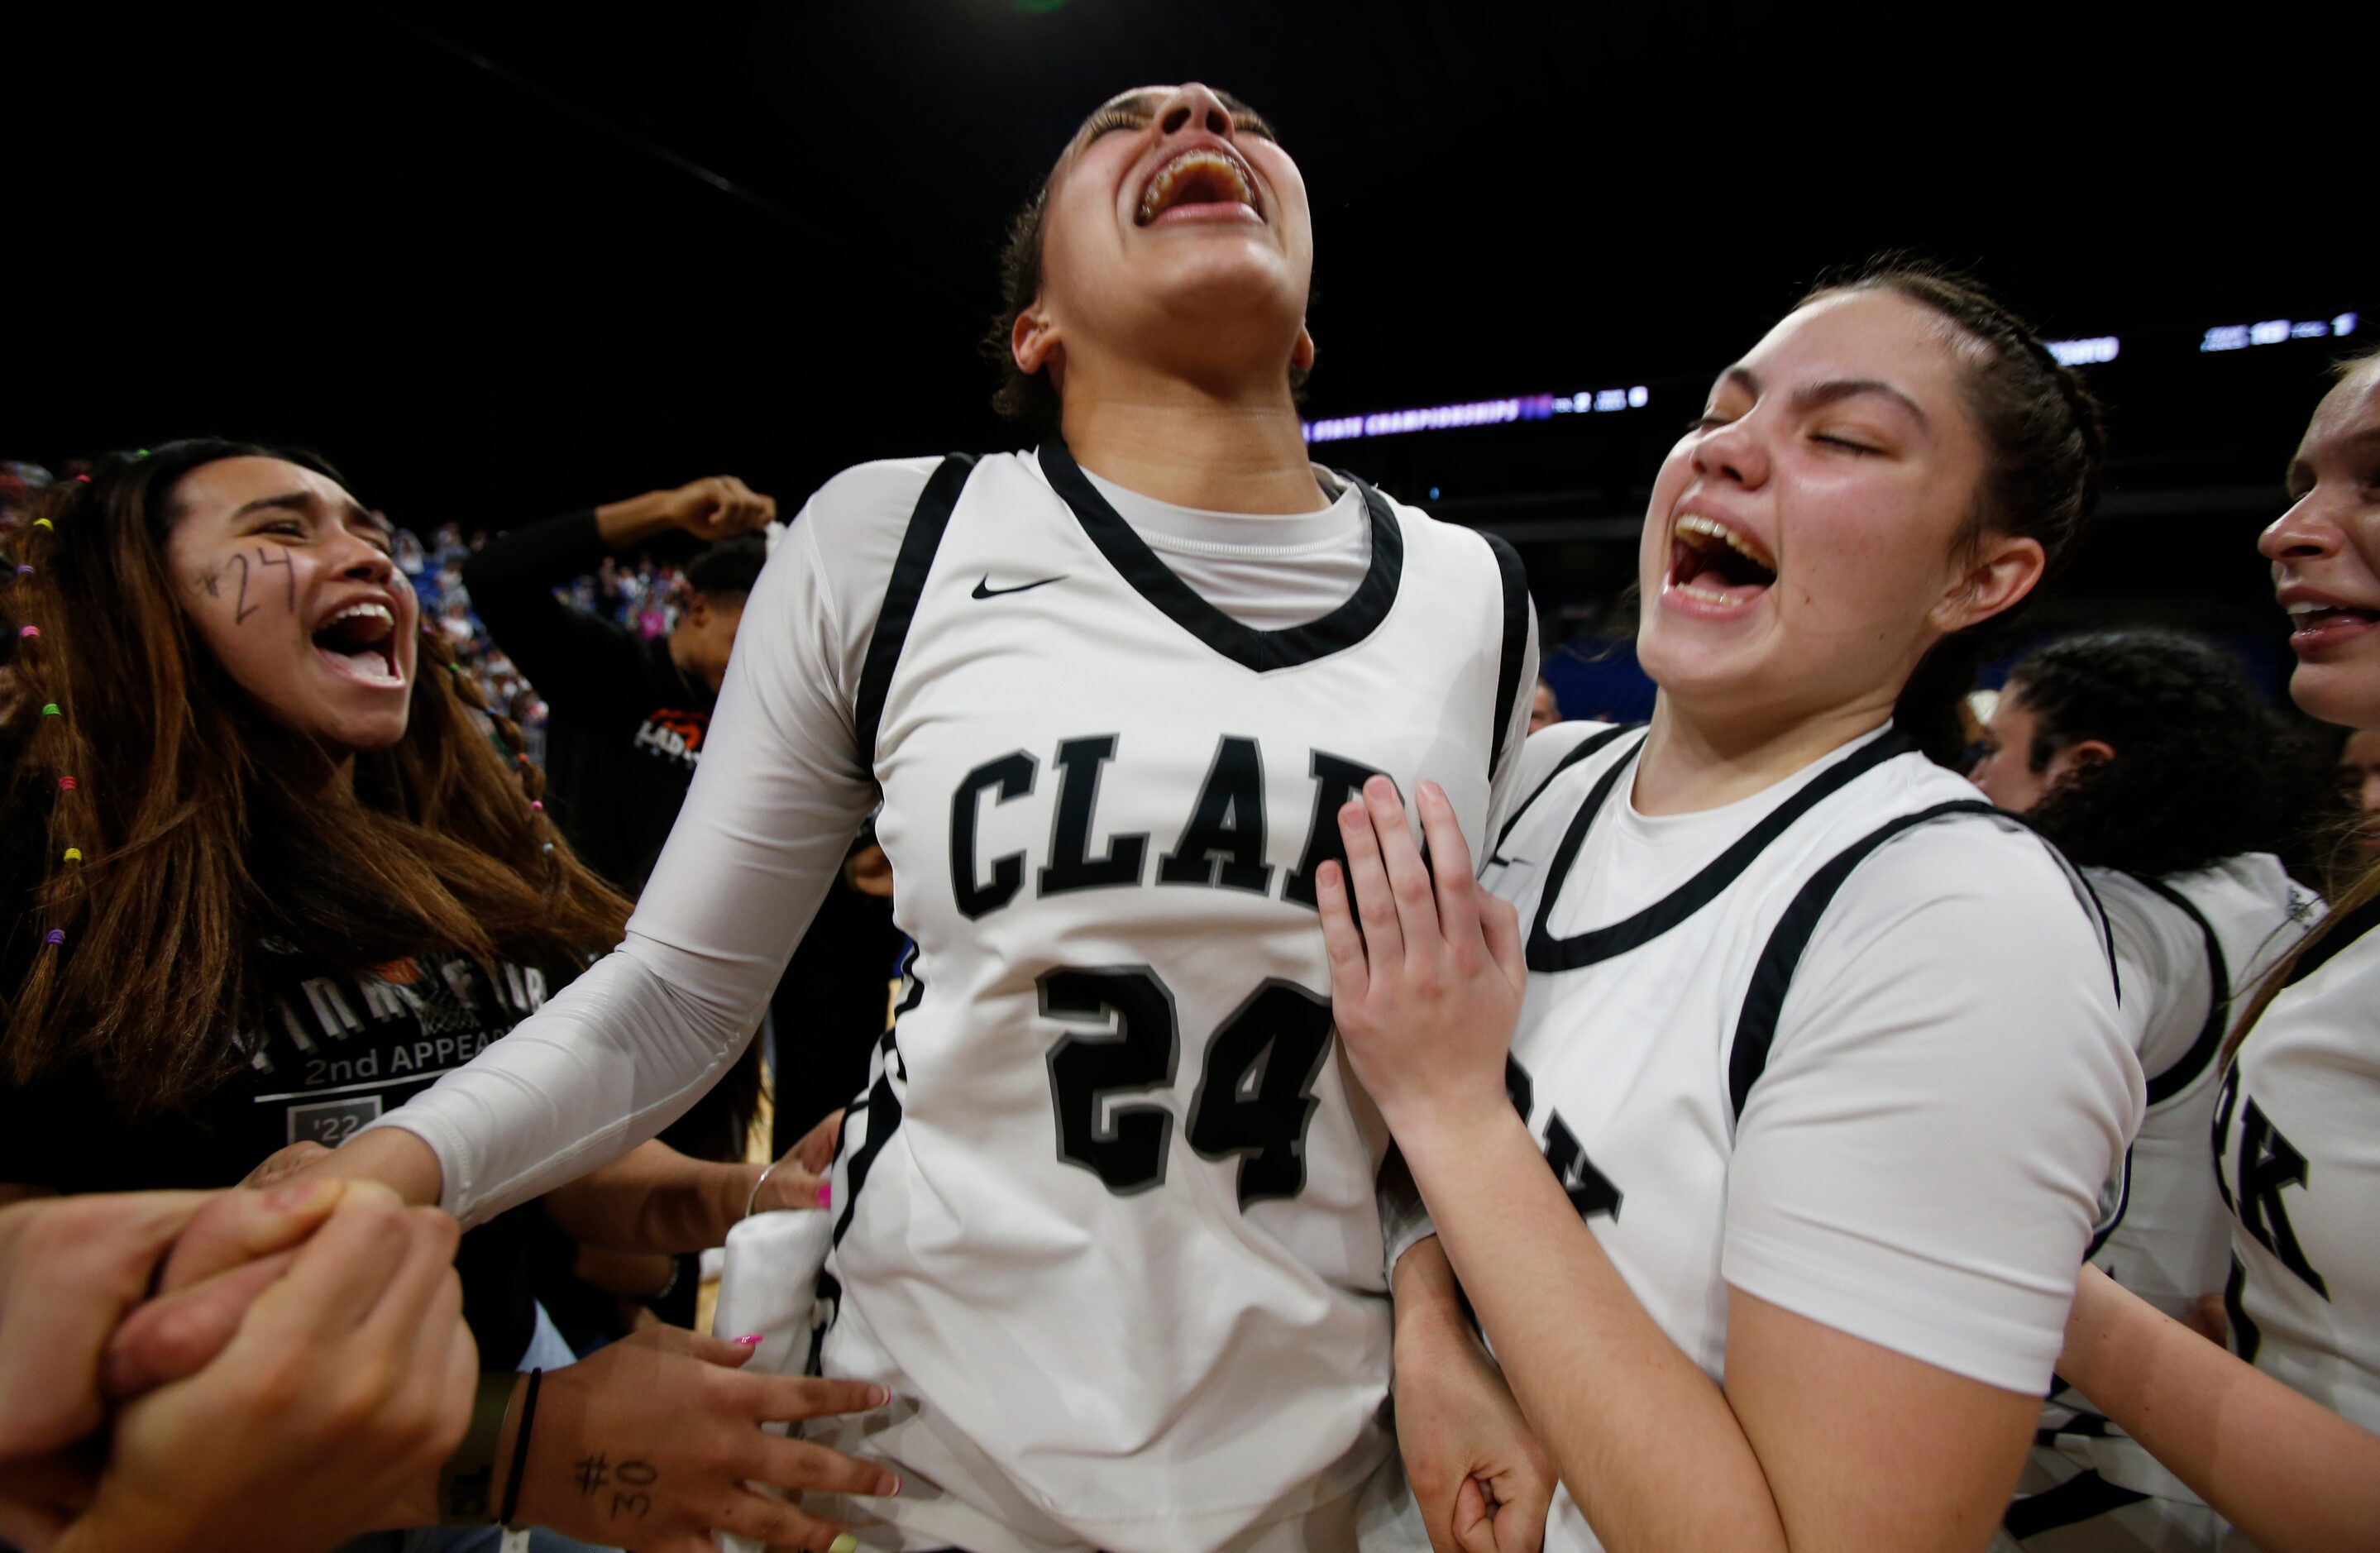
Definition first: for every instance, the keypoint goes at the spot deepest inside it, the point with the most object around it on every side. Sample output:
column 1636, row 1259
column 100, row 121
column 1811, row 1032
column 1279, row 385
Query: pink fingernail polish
column 826, row 1194
column 750, row 1341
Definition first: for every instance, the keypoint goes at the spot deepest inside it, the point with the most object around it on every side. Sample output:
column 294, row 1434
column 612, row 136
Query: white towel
column 770, row 1286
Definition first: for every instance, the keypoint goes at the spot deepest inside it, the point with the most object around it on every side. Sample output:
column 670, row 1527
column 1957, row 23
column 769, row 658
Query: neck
column 1695, row 761
column 1175, row 441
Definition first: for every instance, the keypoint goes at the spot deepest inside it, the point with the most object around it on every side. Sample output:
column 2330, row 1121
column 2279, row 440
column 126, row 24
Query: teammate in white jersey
column 1105, row 1219
column 1821, row 1050
column 2146, row 756
column 2288, row 1452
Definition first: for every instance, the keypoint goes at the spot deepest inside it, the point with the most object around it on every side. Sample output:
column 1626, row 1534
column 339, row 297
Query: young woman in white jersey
column 1104, row 1220
column 2146, row 756
column 2287, row 1451
column 1769, row 1206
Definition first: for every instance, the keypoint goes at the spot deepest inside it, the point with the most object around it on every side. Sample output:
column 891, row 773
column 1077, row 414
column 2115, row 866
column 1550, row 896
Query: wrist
column 1437, row 1131
column 623, row 524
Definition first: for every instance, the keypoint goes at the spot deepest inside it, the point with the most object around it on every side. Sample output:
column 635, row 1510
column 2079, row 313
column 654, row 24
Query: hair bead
column 45, row 522
column 547, row 847
column 66, row 784
column 536, row 805
column 24, row 571
column 28, row 631
column 49, row 709
column 84, row 478
column 74, row 854
column 54, row 935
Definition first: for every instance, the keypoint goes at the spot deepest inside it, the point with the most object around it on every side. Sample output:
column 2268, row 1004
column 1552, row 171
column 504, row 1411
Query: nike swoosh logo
column 984, row 590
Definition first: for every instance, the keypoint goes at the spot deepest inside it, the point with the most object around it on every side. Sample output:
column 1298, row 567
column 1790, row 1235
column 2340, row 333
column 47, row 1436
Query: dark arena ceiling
column 496, row 261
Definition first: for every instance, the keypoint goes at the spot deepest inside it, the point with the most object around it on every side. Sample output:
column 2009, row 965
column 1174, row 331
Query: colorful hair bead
column 30, row 631
column 49, row 709
column 74, row 854
column 24, row 571
column 536, row 806
column 46, row 523
column 66, row 784
column 547, row 847
column 54, row 935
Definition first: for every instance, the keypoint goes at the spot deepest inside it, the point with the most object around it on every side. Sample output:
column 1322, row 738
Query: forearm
column 654, row 1200
column 1643, row 1440
column 624, row 525
column 2285, row 1470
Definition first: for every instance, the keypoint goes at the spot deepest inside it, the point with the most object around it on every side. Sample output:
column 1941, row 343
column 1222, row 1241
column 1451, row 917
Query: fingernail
column 288, row 1199
column 751, row 1340
column 888, row 1486
column 879, row 1395
column 843, row 1542
column 826, row 1194
column 1432, row 790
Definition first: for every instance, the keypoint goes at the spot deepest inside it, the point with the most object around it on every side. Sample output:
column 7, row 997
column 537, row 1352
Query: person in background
column 629, row 710
column 2359, row 778
column 2284, row 1439
column 2147, row 759
column 1544, row 710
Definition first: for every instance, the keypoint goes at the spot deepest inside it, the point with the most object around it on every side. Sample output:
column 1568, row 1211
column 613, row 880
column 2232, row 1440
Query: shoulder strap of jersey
column 924, row 536
column 2186, row 1069
column 1547, row 952
column 1756, row 1027
column 1586, row 746
column 1516, row 643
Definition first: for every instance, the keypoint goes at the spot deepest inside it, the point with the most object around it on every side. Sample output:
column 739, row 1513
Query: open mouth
column 1711, row 561
column 360, row 643
column 2313, row 625
column 1202, row 177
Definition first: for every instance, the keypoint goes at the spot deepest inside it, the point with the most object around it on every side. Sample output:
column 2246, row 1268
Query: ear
column 1032, row 338
column 2079, row 756
column 1301, row 355
column 2002, row 574
column 698, row 610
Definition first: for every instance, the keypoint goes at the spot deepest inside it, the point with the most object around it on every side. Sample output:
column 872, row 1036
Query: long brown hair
column 184, row 827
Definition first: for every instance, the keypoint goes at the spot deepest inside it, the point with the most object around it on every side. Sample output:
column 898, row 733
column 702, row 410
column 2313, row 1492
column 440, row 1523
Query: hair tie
column 24, row 571
column 84, row 478
column 547, row 847
column 49, row 709
column 66, row 784
column 46, row 523
column 30, row 631
column 140, row 453
column 74, row 854
column 54, row 935
column 536, row 806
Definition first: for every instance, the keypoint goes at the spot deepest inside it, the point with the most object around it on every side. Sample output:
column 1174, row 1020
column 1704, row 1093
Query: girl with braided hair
column 2146, row 756
column 270, row 879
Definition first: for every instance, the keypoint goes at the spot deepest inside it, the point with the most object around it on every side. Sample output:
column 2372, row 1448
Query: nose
column 2303, row 533
column 359, row 559
column 1732, row 451
column 1194, row 106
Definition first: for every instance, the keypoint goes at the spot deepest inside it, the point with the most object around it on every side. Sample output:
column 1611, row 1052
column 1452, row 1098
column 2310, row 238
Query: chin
column 2345, row 694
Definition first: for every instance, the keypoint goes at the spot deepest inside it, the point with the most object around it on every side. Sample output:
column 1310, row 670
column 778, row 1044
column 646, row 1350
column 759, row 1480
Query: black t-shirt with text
column 330, row 1052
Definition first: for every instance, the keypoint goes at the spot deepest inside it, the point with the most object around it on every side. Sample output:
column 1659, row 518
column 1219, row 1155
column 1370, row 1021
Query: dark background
column 496, row 261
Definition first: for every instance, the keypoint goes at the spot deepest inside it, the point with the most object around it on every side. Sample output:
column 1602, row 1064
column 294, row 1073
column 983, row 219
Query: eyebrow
column 1816, row 395
column 305, row 502
column 2368, row 434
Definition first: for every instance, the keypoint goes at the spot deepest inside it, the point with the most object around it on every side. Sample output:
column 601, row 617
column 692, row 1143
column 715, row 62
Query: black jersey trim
column 2335, row 936
column 1756, row 1027
column 1547, row 952
column 2187, row 1068
column 2079, row 1498
column 884, row 1103
column 1515, row 579
column 1586, row 746
column 923, row 538
column 1261, row 652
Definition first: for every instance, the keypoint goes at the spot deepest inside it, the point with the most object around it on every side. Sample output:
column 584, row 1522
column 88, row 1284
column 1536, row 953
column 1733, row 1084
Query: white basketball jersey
column 2191, row 947
column 1106, row 1217
column 2297, row 1133
column 1647, row 1026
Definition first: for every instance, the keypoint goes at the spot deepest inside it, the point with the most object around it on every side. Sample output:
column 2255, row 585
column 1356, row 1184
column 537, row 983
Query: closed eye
column 1847, row 445
column 1112, row 118
column 1705, row 422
